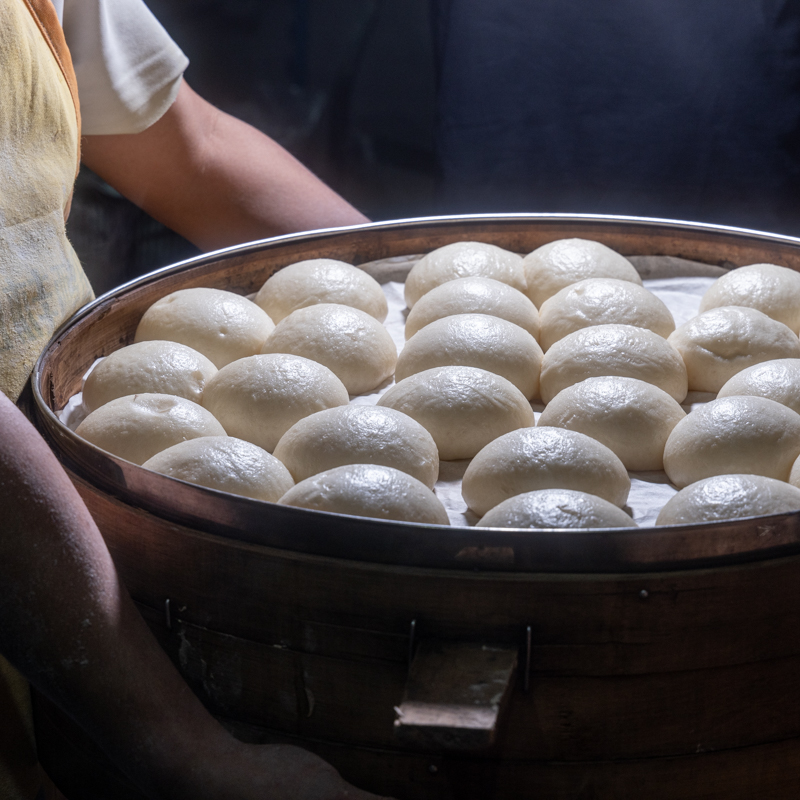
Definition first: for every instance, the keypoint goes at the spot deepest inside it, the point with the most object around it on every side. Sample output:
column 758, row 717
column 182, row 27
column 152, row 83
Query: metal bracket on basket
column 455, row 694
column 526, row 685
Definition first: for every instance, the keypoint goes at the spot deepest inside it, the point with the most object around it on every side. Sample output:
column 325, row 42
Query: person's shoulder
column 128, row 67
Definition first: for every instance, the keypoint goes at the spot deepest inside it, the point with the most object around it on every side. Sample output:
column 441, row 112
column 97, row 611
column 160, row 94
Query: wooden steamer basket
column 653, row 663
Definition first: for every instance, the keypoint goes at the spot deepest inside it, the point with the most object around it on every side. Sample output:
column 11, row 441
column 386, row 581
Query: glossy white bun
column 369, row 490
column 259, row 398
column 551, row 267
column 722, row 497
column 622, row 350
column 474, row 296
column 463, row 408
column 351, row 343
column 773, row 290
column 475, row 340
column 138, row 426
column 227, row 464
column 321, row 280
column 629, row 416
column 221, row 325
column 777, row 380
column 463, row 260
column 556, row 508
column 531, row 459
column 741, row 434
column 148, row 367
column 359, row 435
column 717, row 344
column 602, row 301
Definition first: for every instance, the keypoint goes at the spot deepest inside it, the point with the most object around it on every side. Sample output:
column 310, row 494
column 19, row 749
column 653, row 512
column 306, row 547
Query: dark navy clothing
column 687, row 109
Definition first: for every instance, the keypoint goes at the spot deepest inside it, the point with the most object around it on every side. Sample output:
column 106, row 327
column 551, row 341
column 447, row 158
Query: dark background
column 347, row 86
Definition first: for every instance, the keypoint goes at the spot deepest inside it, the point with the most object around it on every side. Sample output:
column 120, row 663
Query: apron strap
column 46, row 18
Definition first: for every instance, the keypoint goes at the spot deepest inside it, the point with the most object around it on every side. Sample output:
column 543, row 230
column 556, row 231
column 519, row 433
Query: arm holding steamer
column 214, row 179
column 69, row 625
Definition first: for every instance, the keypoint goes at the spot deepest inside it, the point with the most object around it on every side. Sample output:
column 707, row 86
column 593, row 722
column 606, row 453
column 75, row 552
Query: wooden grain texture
column 560, row 718
column 582, row 625
column 712, row 655
column 767, row 771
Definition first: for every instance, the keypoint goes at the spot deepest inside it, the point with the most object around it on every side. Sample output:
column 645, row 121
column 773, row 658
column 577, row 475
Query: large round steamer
column 657, row 663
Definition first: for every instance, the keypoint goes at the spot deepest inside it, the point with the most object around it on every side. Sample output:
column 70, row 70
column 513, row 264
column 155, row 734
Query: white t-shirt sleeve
column 127, row 67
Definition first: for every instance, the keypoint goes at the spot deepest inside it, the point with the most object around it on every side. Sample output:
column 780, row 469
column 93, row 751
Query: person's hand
column 270, row 772
column 296, row 774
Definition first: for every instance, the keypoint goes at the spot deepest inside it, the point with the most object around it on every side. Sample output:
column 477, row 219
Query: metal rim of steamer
column 412, row 545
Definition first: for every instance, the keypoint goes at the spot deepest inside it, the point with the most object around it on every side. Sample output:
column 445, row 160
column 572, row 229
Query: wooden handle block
column 455, row 694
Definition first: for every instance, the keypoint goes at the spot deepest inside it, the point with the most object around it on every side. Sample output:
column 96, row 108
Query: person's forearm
column 68, row 624
column 214, row 179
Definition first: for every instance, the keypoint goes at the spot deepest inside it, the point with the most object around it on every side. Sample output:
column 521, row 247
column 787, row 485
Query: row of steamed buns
column 473, row 360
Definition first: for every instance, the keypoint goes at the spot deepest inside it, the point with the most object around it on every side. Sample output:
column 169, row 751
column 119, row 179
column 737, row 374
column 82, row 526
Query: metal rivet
column 433, row 769
column 527, row 679
column 310, row 700
column 644, row 594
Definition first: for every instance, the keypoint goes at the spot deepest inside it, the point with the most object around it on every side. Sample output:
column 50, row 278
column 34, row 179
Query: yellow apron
column 41, row 281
